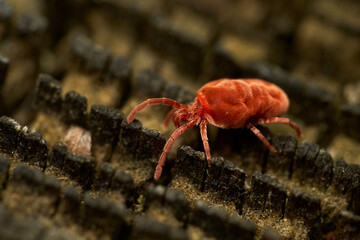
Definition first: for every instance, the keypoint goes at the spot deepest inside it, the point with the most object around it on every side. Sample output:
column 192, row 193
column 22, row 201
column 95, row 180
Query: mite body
column 232, row 103
column 224, row 103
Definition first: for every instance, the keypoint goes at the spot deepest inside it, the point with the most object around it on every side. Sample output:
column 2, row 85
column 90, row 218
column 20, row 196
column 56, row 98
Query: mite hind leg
column 282, row 121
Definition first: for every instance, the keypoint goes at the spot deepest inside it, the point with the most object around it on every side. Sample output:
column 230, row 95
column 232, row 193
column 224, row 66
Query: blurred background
column 117, row 53
column 314, row 42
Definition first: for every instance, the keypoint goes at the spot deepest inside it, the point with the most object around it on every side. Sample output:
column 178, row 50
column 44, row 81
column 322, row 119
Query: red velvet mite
column 225, row 103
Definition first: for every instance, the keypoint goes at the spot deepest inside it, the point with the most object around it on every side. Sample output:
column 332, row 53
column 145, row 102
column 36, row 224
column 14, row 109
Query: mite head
column 181, row 116
column 194, row 111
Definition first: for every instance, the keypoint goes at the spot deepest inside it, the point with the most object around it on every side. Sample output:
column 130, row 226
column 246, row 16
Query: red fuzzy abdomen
column 231, row 103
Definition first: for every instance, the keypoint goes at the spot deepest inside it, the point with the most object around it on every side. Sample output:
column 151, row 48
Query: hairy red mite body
column 231, row 103
column 224, row 103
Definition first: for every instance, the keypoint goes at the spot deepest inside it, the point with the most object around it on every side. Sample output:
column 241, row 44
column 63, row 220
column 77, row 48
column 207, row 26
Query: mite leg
column 204, row 137
column 169, row 115
column 260, row 136
column 169, row 144
column 280, row 120
column 154, row 101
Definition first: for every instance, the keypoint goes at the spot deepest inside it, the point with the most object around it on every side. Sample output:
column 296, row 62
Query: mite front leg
column 168, row 145
column 154, row 101
column 169, row 115
column 204, row 138
column 260, row 136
